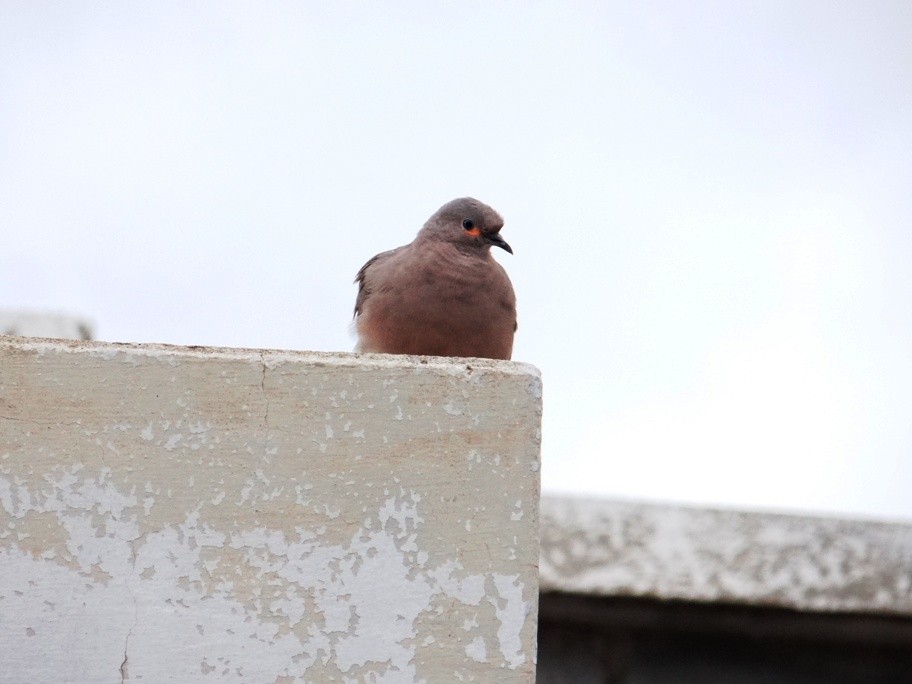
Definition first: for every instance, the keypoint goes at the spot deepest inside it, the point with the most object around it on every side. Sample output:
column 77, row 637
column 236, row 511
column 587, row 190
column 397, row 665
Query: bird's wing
column 363, row 287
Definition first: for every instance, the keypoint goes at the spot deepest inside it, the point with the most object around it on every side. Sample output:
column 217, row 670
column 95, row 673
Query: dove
column 443, row 294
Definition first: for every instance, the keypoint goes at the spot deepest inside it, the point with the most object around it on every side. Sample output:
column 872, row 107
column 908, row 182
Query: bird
column 443, row 294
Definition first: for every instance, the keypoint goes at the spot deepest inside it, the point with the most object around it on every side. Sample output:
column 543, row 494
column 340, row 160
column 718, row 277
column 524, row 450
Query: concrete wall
column 228, row 515
column 635, row 593
column 680, row 553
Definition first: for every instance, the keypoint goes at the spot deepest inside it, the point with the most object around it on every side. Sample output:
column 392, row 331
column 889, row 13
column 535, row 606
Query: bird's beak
column 497, row 241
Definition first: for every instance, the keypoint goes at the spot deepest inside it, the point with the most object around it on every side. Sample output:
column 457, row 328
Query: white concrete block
column 195, row 514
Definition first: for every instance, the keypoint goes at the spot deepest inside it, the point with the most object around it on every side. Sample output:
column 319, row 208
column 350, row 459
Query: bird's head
column 467, row 223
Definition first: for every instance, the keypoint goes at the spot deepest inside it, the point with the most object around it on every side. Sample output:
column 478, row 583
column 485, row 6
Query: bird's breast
column 444, row 304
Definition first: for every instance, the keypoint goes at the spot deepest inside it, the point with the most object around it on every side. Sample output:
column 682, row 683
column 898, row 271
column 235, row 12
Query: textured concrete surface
column 43, row 324
column 610, row 548
column 174, row 514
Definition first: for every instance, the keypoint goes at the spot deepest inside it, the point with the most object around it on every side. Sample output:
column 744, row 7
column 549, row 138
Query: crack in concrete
column 123, row 664
column 263, row 390
column 38, row 421
column 133, row 542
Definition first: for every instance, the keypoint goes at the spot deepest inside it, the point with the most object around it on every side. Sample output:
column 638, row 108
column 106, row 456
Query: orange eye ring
column 469, row 226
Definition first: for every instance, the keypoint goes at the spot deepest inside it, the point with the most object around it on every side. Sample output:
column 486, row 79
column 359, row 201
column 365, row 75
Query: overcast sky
column 710, row 205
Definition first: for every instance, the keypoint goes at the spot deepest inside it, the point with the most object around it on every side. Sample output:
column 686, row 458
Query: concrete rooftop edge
column 441, row 363
column 627, row 549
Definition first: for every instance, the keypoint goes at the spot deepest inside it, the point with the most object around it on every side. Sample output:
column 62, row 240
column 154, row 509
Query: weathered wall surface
column 636, row 593
column 613, row 548
column 227, row 515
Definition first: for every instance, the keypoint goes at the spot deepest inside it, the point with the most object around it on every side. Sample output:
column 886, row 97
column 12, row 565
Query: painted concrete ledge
column 196, row 514
column 610, row 548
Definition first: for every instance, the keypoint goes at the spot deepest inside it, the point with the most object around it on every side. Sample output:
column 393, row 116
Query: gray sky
column 710, row 206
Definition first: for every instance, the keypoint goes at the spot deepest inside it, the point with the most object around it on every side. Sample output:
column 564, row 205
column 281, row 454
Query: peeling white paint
column 512, row 612
column 213, row 519
column 476, row 650
column 469, row 589
column 351, row 623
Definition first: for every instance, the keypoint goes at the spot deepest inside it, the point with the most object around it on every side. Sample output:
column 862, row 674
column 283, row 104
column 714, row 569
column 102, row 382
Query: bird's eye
column 468, row 224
